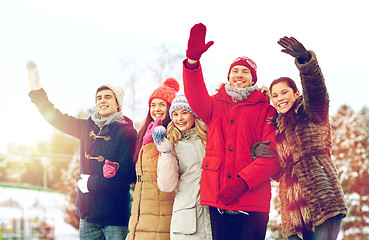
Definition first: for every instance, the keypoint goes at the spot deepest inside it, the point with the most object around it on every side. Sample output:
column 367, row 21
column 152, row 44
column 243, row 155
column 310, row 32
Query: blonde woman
column 180, row 169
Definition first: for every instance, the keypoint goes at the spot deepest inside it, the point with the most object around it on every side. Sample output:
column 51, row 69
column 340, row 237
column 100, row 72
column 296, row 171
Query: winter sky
column 79, row 45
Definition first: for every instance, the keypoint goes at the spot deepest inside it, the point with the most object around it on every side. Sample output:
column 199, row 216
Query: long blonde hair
column 174, row 135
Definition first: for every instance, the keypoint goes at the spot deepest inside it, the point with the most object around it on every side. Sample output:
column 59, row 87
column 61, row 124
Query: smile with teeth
column 282, row 104
column 158, row 114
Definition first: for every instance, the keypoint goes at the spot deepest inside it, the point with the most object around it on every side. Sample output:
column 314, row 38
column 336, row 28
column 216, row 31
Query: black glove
column 261, row 149
column 295, row 49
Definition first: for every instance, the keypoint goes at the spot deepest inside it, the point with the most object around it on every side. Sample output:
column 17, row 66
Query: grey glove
column 261, row 149
column 33, row 78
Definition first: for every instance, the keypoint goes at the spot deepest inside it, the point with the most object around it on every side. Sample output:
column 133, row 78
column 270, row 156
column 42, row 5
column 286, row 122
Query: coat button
column 207, row 165
column 229, row 176
column 232, row 122
column 230, row 149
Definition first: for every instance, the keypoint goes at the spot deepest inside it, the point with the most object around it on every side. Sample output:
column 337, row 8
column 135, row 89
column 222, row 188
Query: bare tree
column 167, row 63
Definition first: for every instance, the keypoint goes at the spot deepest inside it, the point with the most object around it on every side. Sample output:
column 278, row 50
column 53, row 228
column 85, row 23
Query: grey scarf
column 115, row 117
column 239, row 94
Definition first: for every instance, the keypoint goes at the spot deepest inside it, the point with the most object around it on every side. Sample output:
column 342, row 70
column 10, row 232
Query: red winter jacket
column 232, row 129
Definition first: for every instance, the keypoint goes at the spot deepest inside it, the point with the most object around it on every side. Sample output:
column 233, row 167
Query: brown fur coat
column 309, row 188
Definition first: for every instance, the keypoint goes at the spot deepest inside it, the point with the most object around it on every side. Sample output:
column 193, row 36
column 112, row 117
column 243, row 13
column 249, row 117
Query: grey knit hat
column 180, row 102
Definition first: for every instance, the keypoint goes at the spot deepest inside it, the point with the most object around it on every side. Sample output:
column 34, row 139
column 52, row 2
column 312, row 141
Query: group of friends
column 202, row 164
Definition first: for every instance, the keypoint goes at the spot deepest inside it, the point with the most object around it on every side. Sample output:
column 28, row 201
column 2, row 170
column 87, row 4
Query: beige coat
column 151, row 208
column 182, row 170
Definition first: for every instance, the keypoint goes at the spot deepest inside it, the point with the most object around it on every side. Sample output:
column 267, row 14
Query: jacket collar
column 190, row 134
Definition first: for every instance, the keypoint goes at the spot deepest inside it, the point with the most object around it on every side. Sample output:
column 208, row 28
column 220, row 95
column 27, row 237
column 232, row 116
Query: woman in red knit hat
column 152, row 209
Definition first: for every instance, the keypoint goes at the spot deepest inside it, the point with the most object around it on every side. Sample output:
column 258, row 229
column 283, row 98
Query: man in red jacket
column 234, row 186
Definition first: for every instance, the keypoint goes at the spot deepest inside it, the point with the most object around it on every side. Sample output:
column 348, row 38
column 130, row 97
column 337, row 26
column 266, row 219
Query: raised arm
column 315, row 94
column 65, row 123
column 193, row 81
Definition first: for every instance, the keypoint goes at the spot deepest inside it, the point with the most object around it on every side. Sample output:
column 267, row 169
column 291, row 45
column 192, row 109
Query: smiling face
column 240, row 77
column 158, row 109
column 106, row 103
column 283, row 97
column 183, row 119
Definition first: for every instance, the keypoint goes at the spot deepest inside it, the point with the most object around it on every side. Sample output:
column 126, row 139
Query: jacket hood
column 125, row 120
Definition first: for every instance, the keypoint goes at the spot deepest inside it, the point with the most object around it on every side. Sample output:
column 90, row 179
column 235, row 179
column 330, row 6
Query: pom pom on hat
column 167, row 91
column 118, row 93
column 180, row 102
column 247, row 62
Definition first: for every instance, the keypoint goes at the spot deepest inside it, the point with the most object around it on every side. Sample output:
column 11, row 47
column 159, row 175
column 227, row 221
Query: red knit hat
column 167, row 91
column 247, row 62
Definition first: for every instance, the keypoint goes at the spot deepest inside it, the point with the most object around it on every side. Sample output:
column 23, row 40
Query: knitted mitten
column 147, row 138
column 196, row 43
column 161, row 142
column 232, row 191
column 110, row 168
column 33, row 77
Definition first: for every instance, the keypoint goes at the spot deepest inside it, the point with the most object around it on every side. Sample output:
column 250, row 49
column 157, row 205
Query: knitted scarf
column 115, row 117
column 239, row 94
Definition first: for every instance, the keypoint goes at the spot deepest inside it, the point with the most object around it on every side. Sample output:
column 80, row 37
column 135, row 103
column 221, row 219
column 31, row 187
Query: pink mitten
column 110, row 168
column 147, row 138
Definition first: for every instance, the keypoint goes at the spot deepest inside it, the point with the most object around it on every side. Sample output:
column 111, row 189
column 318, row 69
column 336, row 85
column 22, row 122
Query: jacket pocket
column 211, row 163
column 188, row 226
column 210, row 179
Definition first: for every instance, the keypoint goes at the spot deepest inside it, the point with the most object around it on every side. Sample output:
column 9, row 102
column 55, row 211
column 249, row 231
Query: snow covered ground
column 34, row 206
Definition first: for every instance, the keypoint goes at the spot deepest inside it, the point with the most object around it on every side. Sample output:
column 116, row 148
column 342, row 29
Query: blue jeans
column 326, row 231
column 92, row 231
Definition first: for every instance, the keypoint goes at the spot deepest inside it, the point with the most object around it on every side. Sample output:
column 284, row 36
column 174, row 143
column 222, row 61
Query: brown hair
column 287, row 80
column 107, row 88
column 143, row 130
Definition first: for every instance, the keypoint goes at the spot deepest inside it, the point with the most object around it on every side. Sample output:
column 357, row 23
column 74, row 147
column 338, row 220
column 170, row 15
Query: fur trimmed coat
column 233, row 127
column 309, row 188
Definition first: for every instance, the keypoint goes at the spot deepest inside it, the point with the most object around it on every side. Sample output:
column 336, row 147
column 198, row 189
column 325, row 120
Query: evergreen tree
column 350, row 140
